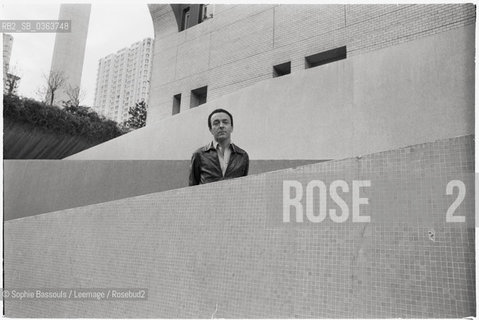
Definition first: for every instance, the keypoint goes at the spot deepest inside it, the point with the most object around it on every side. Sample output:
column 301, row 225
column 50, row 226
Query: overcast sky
column 112, row 27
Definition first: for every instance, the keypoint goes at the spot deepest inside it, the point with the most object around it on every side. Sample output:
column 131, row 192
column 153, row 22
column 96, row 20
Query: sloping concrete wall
column 39, row 186
column 201, row 258
column 415, row 92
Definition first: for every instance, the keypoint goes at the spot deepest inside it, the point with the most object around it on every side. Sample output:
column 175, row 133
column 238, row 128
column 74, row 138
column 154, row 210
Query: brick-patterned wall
column 202, row 258
column 241, row 43
column 415, row 92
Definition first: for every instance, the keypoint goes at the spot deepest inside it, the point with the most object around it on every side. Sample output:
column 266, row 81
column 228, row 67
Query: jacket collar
column 211, row 146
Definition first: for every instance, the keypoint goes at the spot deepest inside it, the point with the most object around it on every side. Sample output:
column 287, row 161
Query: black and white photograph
column 238, row 160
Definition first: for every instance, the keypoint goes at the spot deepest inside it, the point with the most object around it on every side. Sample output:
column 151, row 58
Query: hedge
column 74, row 121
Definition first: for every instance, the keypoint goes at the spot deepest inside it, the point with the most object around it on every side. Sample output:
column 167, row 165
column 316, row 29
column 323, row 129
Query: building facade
column 123, row 79
column 10, row 81
column 7, row 53
column 315, row 82
column 69, row 50
column 241, row 45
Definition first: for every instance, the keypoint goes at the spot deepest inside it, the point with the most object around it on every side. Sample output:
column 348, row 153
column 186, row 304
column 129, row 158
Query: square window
column 282, row 69
column 198, row 96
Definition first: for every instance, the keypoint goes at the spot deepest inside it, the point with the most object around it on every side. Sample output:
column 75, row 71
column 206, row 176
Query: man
column 220, row 159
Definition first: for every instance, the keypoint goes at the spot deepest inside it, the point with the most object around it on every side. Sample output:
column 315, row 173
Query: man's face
column 221, row 127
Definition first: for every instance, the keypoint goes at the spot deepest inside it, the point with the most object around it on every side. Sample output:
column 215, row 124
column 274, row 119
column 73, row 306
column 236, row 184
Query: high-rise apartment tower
column 123, row 80
column 7, row 52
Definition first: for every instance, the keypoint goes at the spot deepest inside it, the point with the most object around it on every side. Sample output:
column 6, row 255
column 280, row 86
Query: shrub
column 75, row 121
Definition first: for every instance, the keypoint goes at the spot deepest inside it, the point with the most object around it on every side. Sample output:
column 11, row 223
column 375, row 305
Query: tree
column 84, row 112
column 12, row 80
column 75, row 96
column 137, row 116
column 55, row 81
column 11, row 84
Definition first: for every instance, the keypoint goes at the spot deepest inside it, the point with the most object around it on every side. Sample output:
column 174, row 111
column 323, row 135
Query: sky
column 112, row 27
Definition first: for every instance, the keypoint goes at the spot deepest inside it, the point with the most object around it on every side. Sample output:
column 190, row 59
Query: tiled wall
column 221, row 250
column 34, row 187
column 241, row 43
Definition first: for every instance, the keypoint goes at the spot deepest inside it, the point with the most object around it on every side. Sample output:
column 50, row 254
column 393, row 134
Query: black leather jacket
column 205, row 165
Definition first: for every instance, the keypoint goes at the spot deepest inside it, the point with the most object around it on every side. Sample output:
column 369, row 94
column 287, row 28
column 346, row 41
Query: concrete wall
column 39, row 186
column 410, row 93
column 240, row 45
column 238, row 260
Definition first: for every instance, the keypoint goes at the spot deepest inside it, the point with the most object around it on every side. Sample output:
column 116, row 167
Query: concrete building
column 123, row 79
column 244, row 45
column 69, row 51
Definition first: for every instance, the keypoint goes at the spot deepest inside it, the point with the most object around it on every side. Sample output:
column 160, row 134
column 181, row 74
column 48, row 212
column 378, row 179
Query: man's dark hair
column 218, row 111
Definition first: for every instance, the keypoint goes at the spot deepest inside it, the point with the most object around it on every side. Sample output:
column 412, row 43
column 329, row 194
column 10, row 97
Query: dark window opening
column 198, row 96
column 176, row 103
column 325, row 57
column 185, row 18
column 188, row 15
column 201, row 14
column 281, row 69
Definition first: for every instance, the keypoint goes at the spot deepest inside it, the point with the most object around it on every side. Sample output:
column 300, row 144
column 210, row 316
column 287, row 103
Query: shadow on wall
column 35, row 187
